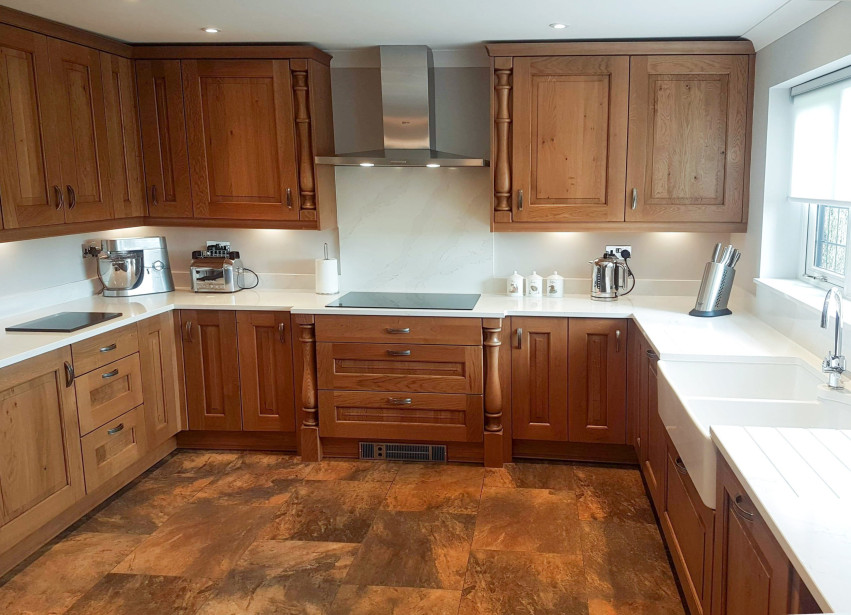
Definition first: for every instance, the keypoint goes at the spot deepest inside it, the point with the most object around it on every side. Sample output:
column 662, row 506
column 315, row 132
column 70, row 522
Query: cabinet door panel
column 688, row 138
column 29, row 155
column 161, row 372
column 241, row 144
column 597, row 380
column 212, row 370
column 539, row 378
column 166, row 157
column 570, row 127
column 266, row 371
column 655, row 465
column 122, row 131
column 78, row 88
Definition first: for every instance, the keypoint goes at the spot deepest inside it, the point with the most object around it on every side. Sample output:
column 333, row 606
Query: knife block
column 714, row 291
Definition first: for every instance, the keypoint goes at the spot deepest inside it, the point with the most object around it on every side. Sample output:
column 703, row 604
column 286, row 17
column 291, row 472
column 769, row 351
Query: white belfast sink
column 695, row 395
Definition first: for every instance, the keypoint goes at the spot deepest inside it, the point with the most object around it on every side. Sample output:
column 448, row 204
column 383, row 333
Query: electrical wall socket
column 618, row 249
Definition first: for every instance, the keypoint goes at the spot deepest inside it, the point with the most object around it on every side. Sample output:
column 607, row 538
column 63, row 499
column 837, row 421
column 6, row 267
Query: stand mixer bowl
column 120, row 270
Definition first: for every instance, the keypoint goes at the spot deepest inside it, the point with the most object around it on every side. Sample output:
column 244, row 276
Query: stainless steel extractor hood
column 407, row 100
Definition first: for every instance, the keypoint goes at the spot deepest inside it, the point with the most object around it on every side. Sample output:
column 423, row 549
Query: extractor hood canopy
column 407, row 100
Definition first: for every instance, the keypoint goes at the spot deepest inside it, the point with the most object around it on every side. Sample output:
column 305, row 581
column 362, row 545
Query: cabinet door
column 655, row 466
column 646, row 355
column 569, row 140
column 751, row 574
column 84, row 154
column 539, row 379
column 687, row 138
column 122, row 131
column 266, row 371
column 166, row 157
column 597, row 380
column 29, row 158
column 239, row 121
column 211, row 364
column 41, row 471
column 161, row 371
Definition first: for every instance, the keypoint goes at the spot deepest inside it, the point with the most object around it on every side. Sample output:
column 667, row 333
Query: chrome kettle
column 609, row 277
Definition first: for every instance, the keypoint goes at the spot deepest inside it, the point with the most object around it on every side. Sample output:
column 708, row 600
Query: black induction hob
column 65, row 322
column 406, row 301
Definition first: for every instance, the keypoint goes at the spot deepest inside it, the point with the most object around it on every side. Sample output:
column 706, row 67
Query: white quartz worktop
column 800, row 482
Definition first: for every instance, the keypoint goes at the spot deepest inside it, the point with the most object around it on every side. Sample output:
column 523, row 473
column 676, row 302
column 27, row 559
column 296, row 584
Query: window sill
column 803, row 294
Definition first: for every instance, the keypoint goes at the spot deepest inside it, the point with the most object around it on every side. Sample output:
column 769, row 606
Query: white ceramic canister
column 554, row 285
column 514, row 287
column 533, row 285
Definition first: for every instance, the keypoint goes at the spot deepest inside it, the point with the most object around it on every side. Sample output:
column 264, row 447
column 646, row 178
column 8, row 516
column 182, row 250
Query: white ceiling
column 443, row 24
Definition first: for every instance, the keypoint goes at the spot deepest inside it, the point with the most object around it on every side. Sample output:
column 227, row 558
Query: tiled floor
column 227, row 533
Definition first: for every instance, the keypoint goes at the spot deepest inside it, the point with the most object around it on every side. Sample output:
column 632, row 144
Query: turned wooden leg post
column 311, row 447
column 494, row 433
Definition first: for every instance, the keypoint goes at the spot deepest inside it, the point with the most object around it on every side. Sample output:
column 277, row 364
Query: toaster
column 215, row 274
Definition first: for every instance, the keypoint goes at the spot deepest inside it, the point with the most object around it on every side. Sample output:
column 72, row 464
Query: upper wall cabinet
column 631, row 136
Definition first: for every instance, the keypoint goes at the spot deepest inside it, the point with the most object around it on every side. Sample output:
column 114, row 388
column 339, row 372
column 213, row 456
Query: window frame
column 816, row 276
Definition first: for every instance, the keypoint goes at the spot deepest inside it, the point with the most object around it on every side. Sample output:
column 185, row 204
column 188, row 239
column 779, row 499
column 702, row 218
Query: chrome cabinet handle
column 154, row 200
column 116, row 429
column 281, row 335
column 519, row 338
column 400, row 401
column 72, row 197
column 634, row 198
column 741, row 512
column 520, row 200
column 397, row 331
column 109, row 348
column 618, row 340
column 681, row 467
column 289, row 198
column 188, row 332
column 652, row 355
column 69, row 374
column 399, row 353
column 60, row 198
column 109, row 375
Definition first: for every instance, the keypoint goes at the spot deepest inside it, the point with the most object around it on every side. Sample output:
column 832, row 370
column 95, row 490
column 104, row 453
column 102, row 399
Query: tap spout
column 833, row 295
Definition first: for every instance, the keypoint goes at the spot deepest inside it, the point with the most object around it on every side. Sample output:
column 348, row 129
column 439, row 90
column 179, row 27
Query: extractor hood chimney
column 407, row 100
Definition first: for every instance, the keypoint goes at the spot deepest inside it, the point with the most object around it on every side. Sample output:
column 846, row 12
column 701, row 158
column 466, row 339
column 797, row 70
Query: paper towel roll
column 327, row 281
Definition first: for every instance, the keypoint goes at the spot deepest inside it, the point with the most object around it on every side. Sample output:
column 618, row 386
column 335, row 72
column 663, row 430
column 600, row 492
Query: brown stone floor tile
column 626, row 562
column 531, row 476
column 597, row 606
column 604, row 492
column 414, row 549
column 535, row 520
column 357, row 470
column 143, row 507
column 194, row 464
column 201, row 540
column 372, row 600
column 64, row 572
column 511, row 583
column 134, row 594
column 444, row 488
column 328, row 511
column 275, row 577
column 257, row 480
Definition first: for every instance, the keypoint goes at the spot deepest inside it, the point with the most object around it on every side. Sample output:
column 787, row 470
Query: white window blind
column 821, row 155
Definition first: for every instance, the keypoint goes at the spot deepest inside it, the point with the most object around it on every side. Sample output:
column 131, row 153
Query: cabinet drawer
column 400, row 330
column 97, row 351
column 113, row 447
column 400, row 416
column 400, row 367
column 107, row 392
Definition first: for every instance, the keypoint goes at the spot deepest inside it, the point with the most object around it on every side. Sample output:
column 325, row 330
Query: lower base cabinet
column 162, row 373
column 114, row 447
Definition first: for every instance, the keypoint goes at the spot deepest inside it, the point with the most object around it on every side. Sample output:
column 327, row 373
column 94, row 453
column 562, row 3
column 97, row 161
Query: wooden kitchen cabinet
column 688, row 138
column 81, row 125
column 162, row 371
column 597, row 371
column 570, row 129
column 30, row 181
column 241, row 135
column 123, row 137
column 655, row 465
column 211, row 365
column 41, row 470
column 113, row 447
column 166, row 156
column 266, row 371
column 539, row 390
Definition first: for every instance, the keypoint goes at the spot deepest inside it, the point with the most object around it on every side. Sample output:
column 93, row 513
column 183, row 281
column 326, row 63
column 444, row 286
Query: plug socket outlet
column 618, row 249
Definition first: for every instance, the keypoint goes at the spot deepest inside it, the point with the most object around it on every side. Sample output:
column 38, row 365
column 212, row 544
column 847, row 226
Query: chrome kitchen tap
column 834, row 363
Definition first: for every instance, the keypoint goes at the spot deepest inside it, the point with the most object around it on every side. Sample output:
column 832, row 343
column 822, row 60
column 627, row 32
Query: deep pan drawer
column 113, row 447
column 399, row 330
column 400, row 416
column 107, row 392
column 105, row 348
column 400, row 367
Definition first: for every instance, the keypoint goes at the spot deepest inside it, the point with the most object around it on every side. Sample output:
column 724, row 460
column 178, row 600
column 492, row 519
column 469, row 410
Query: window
column 827, row 242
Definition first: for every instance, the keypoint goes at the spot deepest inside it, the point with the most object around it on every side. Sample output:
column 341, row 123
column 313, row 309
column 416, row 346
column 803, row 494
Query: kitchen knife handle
column 634, row 199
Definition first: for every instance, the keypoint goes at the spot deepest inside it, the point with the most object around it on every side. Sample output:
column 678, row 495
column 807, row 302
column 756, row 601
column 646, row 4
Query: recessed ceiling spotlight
column 367, row 164
column 432, row 165
column 558, row 26
column 211, row 30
